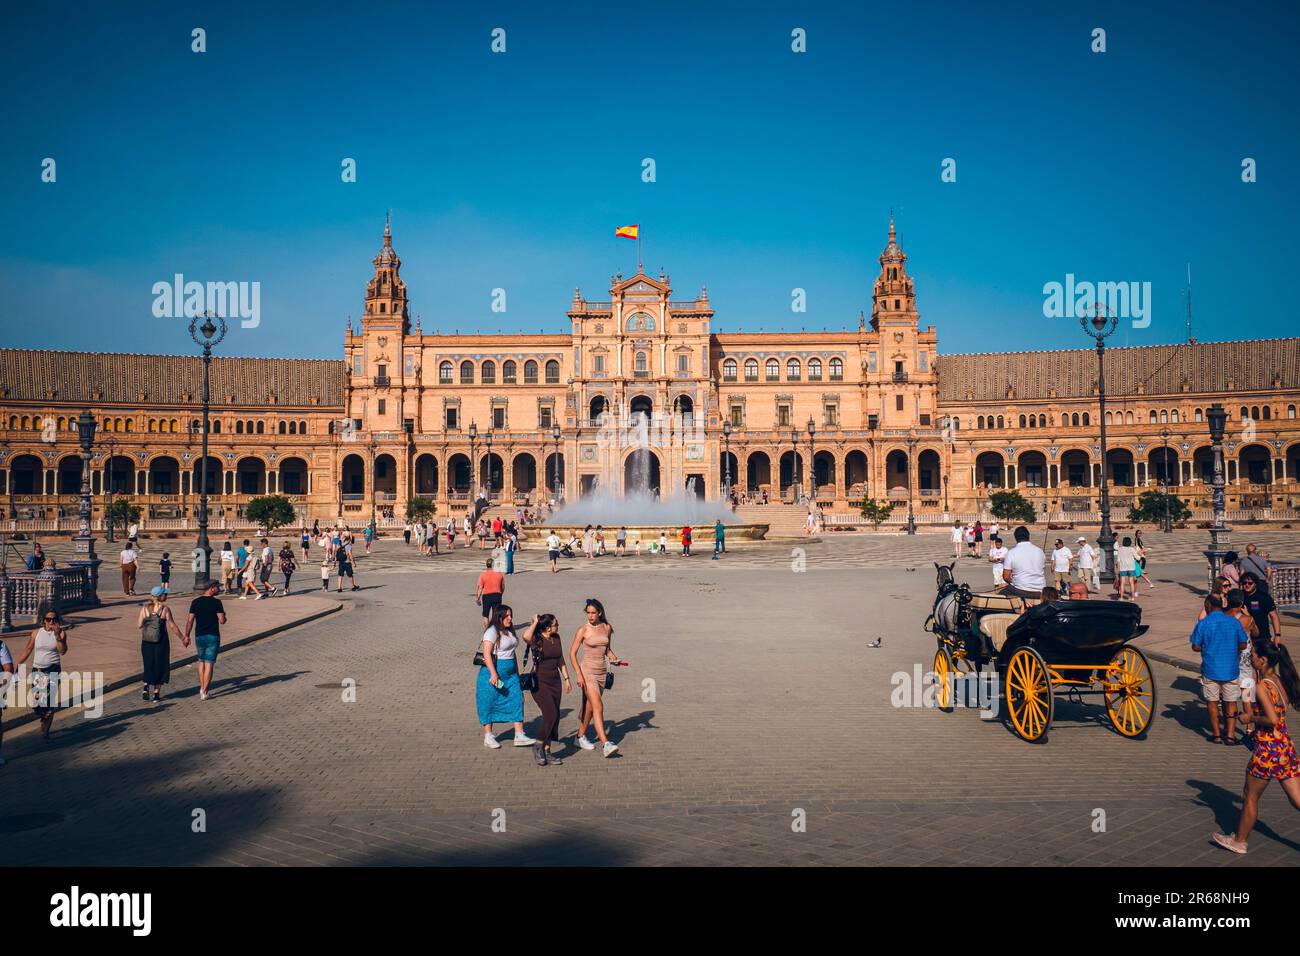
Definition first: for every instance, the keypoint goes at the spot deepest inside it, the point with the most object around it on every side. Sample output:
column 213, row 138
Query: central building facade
column 554, row 416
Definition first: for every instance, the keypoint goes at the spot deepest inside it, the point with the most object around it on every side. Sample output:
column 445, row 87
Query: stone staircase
column 783, row 520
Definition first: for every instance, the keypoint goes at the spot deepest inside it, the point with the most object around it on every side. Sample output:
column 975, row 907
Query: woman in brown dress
column 543, row 639
column 595, row 639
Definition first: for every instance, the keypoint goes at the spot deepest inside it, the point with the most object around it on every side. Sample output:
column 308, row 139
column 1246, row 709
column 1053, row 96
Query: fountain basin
column 645, row 533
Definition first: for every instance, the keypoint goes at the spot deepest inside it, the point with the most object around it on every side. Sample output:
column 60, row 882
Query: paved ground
column 767, row 707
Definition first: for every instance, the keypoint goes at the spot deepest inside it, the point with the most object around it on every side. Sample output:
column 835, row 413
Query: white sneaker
column 609, row 748
column 203, row 695
column 584, row 743
column 491, row 742
column 523, row 740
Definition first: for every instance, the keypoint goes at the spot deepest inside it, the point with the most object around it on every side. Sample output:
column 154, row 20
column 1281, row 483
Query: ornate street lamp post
column 488, row 439
column 1102, row 327
column 111, row 444
column 796, row 465
column 1169, row 524
column 555, row 463
column 1218, row 419
column 374, row 448
column 911, row 470
column 84, row 543
column 473, row 458
column 726, row 458
column 812, row 457
column 212, row 334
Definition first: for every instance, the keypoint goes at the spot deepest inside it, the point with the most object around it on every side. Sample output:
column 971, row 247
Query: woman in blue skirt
column 497, row 693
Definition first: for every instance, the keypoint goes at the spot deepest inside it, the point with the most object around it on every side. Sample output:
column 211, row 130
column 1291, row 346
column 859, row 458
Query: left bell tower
column 374, row 355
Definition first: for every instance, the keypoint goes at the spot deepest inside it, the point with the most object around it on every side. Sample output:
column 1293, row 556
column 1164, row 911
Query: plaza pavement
column 767, row 701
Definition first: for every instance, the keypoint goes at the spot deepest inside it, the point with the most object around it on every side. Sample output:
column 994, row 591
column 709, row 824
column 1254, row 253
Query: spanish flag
column 627, row 232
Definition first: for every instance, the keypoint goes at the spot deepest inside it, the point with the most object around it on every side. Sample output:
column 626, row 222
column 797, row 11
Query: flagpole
column 638, row 249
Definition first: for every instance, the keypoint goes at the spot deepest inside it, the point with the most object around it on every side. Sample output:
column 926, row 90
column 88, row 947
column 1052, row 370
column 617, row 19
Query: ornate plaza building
column 870, row 411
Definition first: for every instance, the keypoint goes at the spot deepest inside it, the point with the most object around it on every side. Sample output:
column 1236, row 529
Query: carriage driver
column 1022, row 568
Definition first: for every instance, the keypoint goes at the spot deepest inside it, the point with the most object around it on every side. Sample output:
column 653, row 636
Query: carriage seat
column 994, row 602
column 994, row 627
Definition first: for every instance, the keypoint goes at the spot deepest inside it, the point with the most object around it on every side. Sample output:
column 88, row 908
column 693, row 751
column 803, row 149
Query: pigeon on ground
column 877, row 642
column 909, row 569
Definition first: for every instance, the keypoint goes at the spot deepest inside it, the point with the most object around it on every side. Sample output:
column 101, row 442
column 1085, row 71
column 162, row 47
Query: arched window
column 293, row 428
column 552, row 372
column 216, row 427
column 814, row 370
column 979, row 422
column 467, row 372
column 508, row 373
column 302, row 428
column 444, row 373
column 1173, row 416
column 261, row 428
column 1268, row 413
column 773, row 370
column 640, row 362
column 1042, row 421
column 1254, row 412
column 1290, row 411
column 1000, row 425
column 1245, row 413
column 1022, row 421
column 1151, row 417
column 1128, row 418
column 729, row 370
column 284, row 428
column 751, row 370
column 793, row 370
column 239, row 428
column 130, row 425
column 488, row 374
column 1087, row 420
column 530, row 372
column 837, row 369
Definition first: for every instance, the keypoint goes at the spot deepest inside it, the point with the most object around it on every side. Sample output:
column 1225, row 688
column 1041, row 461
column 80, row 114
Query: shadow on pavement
column 1226, row 806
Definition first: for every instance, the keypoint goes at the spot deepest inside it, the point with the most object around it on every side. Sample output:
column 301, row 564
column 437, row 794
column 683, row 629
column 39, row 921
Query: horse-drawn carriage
column 1075, row 648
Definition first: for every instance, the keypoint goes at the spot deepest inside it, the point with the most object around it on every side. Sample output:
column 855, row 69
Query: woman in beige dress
column 595, row 639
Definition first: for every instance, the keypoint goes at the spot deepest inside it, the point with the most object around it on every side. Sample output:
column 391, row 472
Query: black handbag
column 478, row 654
column 609, row 680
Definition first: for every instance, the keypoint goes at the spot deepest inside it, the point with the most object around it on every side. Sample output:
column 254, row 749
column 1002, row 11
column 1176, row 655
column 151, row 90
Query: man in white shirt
column 997, row 554
column 1089, row 573
column 1061, row 558
column 553, row 550
column 1022, row 568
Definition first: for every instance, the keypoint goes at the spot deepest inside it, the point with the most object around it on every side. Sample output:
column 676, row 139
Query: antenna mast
column 1190, row 339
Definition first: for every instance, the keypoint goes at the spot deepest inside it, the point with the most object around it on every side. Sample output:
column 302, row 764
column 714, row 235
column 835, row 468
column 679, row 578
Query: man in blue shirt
column 719, row 539
column 1219, row 638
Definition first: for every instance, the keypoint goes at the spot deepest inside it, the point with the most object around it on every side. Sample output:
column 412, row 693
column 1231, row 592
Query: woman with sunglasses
column 595, row 639
column 543, row 640
column 155, row 650
column 46, row 647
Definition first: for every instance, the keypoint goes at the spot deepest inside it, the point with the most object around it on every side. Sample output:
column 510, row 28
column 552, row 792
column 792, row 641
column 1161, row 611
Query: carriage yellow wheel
column 1130, row 692
column 943, row 679
column 1028, row 694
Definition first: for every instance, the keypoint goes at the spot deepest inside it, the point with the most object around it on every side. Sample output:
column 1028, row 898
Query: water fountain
column 640, row 506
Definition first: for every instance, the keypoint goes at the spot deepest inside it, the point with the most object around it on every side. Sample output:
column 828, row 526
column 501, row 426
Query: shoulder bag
column 528, row 680
column 478, row 654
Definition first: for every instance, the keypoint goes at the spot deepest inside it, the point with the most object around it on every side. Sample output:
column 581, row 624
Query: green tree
column 1151, row 507
column 877, row 512
column 1011, row 506
column 271, row 512
column 123, row 513
column 419, row 509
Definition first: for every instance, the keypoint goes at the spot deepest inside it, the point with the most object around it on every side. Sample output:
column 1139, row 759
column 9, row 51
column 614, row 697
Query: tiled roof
column 1206, row 367
column 39, row 375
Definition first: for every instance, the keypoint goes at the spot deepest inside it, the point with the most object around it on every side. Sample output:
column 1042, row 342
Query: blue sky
column 775, row 170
